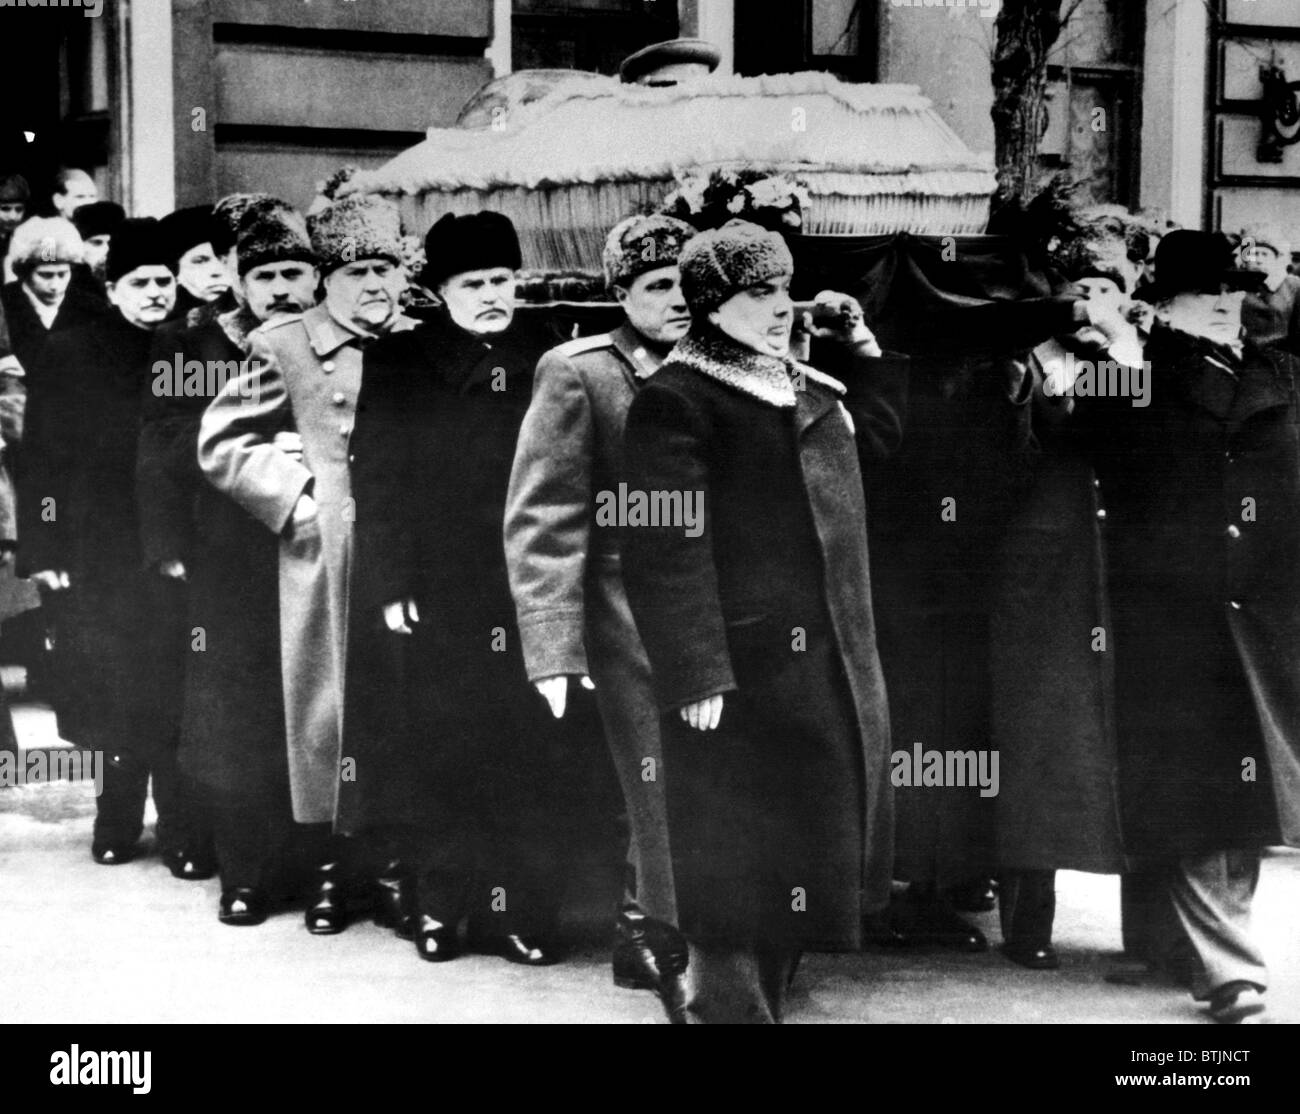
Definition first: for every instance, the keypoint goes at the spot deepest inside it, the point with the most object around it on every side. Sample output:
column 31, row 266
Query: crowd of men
column 324, row 554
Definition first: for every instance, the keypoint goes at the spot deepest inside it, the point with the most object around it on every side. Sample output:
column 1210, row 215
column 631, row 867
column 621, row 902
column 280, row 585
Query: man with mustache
column 565, row 574
column 304, row 374
column 79, row 525
column 221, row 562
column 449, row 741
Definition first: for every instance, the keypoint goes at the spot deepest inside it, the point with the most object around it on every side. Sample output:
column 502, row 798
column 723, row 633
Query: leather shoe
column 1238, row 1003
column 327, row 915
column 879, row 930
column 932, row 924
column 188, row 867
column 109, row 854
column 520, row 949
column 242, row 905
column 434, row 940
column 1037, row 957
column 980, row 895
column 634, row 963
column 395, row 901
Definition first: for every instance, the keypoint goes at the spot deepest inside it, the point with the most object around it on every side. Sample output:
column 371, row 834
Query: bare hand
column 555, row 690
column 289, row 442
column 52, row 580
column 172, row 570
column 399, row 615
column 1106, row 318
column 704, row 715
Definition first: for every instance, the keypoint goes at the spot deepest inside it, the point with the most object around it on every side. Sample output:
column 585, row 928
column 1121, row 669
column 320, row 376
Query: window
column 837, row 36
column 1094, row 101
column 591, row 35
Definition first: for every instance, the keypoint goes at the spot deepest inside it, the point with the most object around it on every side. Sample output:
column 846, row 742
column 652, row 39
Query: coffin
column 566, row 156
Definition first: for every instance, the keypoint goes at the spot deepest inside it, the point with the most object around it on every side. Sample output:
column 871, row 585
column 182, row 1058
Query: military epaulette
column 585, row 344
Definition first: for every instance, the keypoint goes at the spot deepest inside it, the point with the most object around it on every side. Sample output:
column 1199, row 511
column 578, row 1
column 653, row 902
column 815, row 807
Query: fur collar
column 237, row 324
column 767, row 378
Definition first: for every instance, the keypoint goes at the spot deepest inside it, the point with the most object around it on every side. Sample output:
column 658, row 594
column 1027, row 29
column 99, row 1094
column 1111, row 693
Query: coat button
column 327, row 366
column 1235, row 605
column 1233, row 532
column 344, row 430
column 339, row 398
column 1101, row 513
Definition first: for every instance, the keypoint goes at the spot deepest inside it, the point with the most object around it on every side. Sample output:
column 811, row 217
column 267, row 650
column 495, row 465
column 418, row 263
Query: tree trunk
column 1026, row 33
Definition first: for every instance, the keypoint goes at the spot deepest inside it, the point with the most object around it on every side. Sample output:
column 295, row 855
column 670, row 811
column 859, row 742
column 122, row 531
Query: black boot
column 327, row 914
column 395, row 894
column 635, row 967
column 672, row 956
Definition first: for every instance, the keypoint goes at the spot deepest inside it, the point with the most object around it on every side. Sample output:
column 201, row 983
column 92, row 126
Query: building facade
column 1153, row 103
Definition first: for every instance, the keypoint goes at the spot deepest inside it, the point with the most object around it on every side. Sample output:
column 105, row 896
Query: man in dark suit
column 79, row 530
column 448, row 738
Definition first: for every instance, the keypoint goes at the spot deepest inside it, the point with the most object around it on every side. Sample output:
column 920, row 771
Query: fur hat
column 14, row 187
column 229, row 211
column 472, row 243
column 724, row 261
column 642, row 243
column 186, row 229
column 138, row 242
column 44, row 240
column 356, row 228
column 99, row 218
column 272, row 234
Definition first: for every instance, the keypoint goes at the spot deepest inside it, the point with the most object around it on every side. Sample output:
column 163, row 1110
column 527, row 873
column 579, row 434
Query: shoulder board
column 585, row 344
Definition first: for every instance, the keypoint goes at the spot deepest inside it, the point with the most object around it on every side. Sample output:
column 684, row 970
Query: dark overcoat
column 232, row 737
column 780, row 821
column 1051, row 659
column 28, row 334
column 437, row 719
column 1202, row 496
column 116, row 635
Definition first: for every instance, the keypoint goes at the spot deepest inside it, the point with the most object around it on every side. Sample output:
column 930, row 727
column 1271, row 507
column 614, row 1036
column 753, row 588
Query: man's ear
column 714, row 318
column 620, row 293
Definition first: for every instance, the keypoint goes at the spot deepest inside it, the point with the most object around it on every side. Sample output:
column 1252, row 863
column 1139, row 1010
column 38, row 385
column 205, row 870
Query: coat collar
column 769, row 379
column 237, row 325
column 1216, row 380
column 327, row 335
